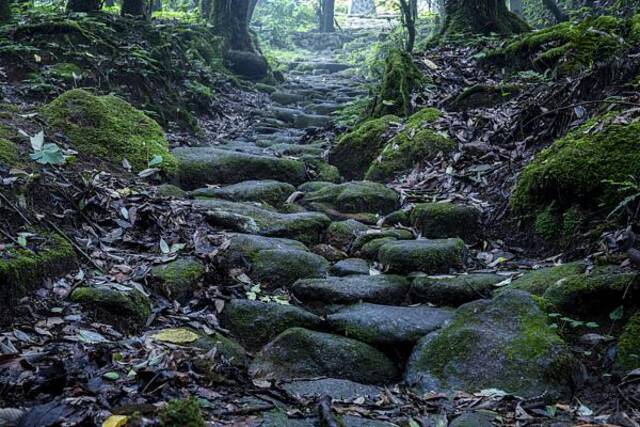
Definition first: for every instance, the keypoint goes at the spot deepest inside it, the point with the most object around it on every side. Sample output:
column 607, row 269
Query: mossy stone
column 355, row 150
column 380, row 289
column 244, row 247
column 574, row 171
column 628, row 354
column 454, row 291
column 503, row 343
column 395, row 233
column 299, row 353
column 311, row 186
column 227, row 351
column 22, row 270
column 169, row 190
column 255, row 323
column 442, row 220
column 415, row 143
column 538, row 281
column 282, row 267
column 320, row 170
column 271, row 192
column 343, row 233
column 350, row 267
column 130, row 307
column 401, row 77
column 354, row 197
column 399, row 217
column 370, row 249
column 427, row 256
column 179, row 279
column 108, row 127
column 199, row 166
column 184, row 412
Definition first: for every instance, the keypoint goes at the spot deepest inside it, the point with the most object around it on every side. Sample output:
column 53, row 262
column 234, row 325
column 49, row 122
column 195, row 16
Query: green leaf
column 50, row 154
column 37, row 141
column 111, row 376
column 155, row 161
column 592, row 325
column 617, row 314
column 22, row 241
column 164, row 247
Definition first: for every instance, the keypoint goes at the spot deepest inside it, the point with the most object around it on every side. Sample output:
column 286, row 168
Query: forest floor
column 129, row 347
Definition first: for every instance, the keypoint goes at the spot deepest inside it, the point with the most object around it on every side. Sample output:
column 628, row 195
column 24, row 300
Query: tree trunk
column 480, row 17
column 553, row 7
column 252, row 9
column 206, row 9
column 515, row 6
column 133, row 7
column 409, row 15
column 86, row 6
column 5, row 11
column 327, row 14
column 362, row 7
column 230, row 21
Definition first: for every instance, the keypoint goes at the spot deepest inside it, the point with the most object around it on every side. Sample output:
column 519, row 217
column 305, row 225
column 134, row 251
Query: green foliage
column 276, row 21
column 108, row 127
column 628, row 356
column 182, row 413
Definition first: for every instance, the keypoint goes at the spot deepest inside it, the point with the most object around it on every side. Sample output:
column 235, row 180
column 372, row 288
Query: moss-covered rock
column 569, row 47
column 299, row 353
column 427, row 256
column 466, row 17
column 384, row 324
column 353, row 198
column 400, row 79
column 538, row 281
column 273, row 193
column 244, row 247
column 181, row 413
column 454, row 291
column 22, row 270
column 371, row 235
column 350, row 267
column 307, row 227
column 343, row 233
column 355, row 150
column 380, row 289
column 169, row 190
column 628, row 355
column 282, row 267
column 442, row 220
column 415, row 143
column 199, row 166
column 127, row 307
column 311, row 186
column 371, row 249
column 178, row 279
column 108, row 127
column 574, row 172
column 504, row 343
column 319, row 170
column 255, row 323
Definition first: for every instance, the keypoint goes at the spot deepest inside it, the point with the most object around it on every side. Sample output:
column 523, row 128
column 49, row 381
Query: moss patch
column 9, row 154
column 415, row 143
column 181, row 413
column 178, row 279
column 573, row 172
column 108, row 127
column 130, row 307
column 628, row 357
column 357, row 149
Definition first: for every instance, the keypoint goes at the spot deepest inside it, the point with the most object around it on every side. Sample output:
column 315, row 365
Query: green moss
column 628, row 356
column 538, row 281
column 179, row 278
column 9, row 154
column 226, row 350
column 109, row 127
column 355, row 197
column 428, row 256
column 357, row 149
column 400, row 79
column 130, row 307
column 470, row 17
column 441, row 220
column 65, row 71
column 567, row 47
column 415, row 143
column 573, row 172
column 181, row 413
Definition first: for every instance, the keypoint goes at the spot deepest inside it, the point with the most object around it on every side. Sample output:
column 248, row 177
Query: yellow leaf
column 176, row 336
column 115, row 421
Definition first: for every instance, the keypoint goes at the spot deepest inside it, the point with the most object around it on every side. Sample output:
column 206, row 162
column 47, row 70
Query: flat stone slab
column 343, row 390
column 299, row 353
column 442, row 220
column 350, row 267
column 299, row 119
column 427, row 256
column 283, row 267
column 385, row 324
column 354, row 197
column 199, row 166
column 274, row 193
column 382, row 289
column 306, row 227
column 255, row 323
column 453, row 291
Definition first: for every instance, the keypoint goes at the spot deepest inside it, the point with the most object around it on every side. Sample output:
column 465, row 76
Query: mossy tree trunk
column 84, row 5
column 5, row 11
column 480, row 17
column 230, row 21
column 134, row 7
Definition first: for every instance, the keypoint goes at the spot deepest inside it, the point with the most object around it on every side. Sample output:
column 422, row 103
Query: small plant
column 562, row 322
column 631, row 202
column 45, row 154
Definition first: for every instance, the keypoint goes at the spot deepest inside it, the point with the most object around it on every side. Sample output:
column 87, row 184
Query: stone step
column 199, row 166
column 299, row 119
column 274, row 193
column 426, row 256
column 381, row 289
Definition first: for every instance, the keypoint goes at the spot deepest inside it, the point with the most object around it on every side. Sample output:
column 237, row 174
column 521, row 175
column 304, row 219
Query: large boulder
column 443, row 220
column 299, row 353
column 108, row 127
column 504, row 343
column 255, row 323
column 274, row 193
column 199, row 166
column 385, row 324
column 307, row 227
column 381, row 289
column 427, row 256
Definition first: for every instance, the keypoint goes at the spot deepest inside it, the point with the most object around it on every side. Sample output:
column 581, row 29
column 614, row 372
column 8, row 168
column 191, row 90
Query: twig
column 324, row 410
column 75, row 245
column 15, row 208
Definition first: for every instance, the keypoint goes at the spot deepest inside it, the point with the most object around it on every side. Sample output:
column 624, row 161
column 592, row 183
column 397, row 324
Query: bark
column 481, row 17
column 362, row 7
column 86, row 6
column 230, row 21
column 134, row 8
column 5, row 11
column 553, row 7
column 327, row 15
column 409, row 15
